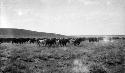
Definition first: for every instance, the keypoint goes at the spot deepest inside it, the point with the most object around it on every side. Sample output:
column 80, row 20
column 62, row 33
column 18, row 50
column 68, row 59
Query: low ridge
column 22, row 33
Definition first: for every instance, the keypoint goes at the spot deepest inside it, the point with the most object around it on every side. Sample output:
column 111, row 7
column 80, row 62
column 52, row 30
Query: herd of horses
column 53, row 41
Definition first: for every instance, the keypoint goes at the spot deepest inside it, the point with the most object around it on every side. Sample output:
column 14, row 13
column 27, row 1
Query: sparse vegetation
column 94, row 58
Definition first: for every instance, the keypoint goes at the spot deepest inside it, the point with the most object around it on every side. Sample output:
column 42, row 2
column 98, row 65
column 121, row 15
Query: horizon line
column 68, row 35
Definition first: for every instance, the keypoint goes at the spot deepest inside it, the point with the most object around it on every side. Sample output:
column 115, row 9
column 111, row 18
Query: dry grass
column 86, row 58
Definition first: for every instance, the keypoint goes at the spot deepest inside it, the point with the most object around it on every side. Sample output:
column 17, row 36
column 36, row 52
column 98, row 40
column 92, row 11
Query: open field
column 95, row 57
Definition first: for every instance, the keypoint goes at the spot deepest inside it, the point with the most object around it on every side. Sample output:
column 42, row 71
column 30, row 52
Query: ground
column 98, row 57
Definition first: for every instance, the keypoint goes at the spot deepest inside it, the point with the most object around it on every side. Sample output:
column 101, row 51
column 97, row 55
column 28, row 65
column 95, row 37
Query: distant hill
column 22, row 33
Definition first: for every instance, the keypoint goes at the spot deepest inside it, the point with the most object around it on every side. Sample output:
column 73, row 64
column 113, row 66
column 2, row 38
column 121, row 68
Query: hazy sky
column 68, row 17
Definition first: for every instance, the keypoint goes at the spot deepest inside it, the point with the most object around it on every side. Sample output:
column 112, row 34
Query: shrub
column 97, row 69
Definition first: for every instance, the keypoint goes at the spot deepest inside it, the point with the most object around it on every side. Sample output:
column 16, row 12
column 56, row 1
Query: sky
column 67, row 17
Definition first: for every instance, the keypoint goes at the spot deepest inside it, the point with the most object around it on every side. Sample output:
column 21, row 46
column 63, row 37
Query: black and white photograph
column 62, row 36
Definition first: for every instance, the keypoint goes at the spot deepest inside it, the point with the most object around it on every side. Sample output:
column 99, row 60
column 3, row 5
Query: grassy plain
column 102, row 57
